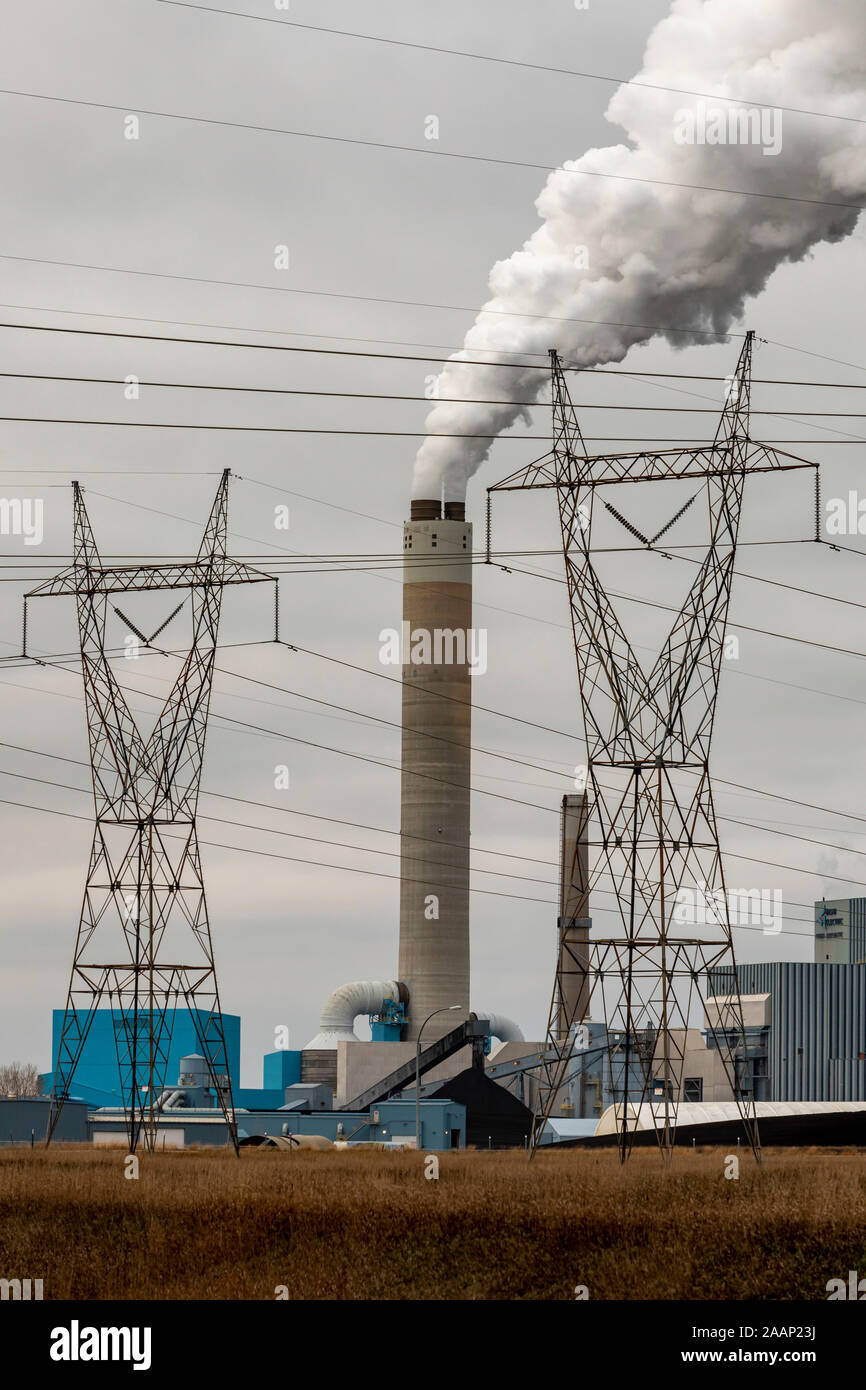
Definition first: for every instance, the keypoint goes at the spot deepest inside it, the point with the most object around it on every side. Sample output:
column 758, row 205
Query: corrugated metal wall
column 817, row 1026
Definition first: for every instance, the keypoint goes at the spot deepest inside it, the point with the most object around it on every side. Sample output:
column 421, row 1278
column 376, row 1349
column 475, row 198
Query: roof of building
column 651, row 1116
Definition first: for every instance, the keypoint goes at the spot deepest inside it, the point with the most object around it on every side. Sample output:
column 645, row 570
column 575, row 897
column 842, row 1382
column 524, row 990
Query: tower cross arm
column 648, row 466
column 111, row 579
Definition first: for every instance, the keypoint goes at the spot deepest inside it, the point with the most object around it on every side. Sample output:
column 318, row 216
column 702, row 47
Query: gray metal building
column 25, row 1120
column 817, row 1034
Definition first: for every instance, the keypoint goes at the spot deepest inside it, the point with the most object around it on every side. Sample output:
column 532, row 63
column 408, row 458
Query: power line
column 429, row 401
column 357, row 825
column 244, row 328
column 391, row 854
column 356, row 298
column 288, row 834
column 391, row 356
column 532, row 574
column 743, row 627
column 428, row 153
column 383, row 434
column 575, row 738
column 316, row 863
column 518, row 801
column 510, row 62
column 306, row 815
column 288, row 858
column 557, row 580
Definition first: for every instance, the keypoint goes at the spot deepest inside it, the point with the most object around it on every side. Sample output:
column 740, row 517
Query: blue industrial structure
column 387, row 1025
column 97, row 1076
column 188, row 1110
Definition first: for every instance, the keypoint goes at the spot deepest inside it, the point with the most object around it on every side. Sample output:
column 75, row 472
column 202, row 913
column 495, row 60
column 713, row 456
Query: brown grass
column 200, row 1224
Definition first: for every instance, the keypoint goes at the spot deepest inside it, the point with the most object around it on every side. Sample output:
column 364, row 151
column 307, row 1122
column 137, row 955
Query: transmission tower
column 144, row 942
column 649, row 821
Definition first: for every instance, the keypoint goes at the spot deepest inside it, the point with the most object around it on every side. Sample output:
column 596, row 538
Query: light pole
column 449, row 1009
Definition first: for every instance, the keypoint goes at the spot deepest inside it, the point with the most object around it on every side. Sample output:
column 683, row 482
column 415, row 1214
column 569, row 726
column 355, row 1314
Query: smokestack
column 573, row 966
column 434, row 808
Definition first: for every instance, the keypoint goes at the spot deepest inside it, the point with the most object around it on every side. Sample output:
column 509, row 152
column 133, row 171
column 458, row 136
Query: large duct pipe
column 170, row 1100
column 572, row 974
column 336, row 1023
column 505, row 1029
column 434, row 808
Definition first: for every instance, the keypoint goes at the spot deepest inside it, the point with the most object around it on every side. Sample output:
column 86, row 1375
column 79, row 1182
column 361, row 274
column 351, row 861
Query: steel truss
column 648, row 809
column 144, row 942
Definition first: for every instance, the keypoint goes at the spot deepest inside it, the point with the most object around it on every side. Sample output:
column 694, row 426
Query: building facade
column 840, row 931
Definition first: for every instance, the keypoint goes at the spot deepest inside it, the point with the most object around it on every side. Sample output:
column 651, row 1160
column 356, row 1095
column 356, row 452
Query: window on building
column 693, row 1088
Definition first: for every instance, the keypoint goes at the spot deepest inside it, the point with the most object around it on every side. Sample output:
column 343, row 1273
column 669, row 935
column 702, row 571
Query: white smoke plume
column 642, row 254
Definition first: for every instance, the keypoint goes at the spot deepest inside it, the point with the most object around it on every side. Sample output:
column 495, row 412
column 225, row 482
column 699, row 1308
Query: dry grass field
column 198, row 1225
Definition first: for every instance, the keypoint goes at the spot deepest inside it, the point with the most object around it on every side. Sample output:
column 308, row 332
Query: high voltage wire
column 339, row 844
column 386, row 434
column 362, row 825
column 288, row 858
column 429, row 401
column 366, row 849
column 428, row 152
column 347, row 563
column 367, row 873
column 518, row 801
column 515, row 716
column 379, row 675
column 269, row 332
column 507, row 62
column 557, row 580
column 355, row 298
column 764, row 632
column 308, row 815
column 316, row 863
column 273, row 830
column 402, row 357
column 743, row 627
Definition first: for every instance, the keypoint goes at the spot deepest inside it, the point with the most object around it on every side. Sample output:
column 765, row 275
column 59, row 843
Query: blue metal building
column 97, row 1076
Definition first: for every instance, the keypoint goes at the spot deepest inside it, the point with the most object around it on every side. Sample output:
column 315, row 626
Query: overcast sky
column 198, row 203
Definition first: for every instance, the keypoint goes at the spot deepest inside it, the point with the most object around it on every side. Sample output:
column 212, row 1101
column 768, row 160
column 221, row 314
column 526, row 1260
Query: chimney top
column 455, row 511
column 425, row 509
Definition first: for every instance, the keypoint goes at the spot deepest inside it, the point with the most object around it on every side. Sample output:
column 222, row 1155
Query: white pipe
column 169, row 1100
column 505, row 1029
column 340, row 1010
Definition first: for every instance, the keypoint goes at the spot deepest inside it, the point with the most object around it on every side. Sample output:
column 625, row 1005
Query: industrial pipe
column 505, row 1029
column 340, row 1010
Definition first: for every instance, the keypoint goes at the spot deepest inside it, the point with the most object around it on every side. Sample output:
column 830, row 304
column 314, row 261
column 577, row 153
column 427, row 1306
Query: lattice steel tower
column 144, row 942
column 650, row 820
